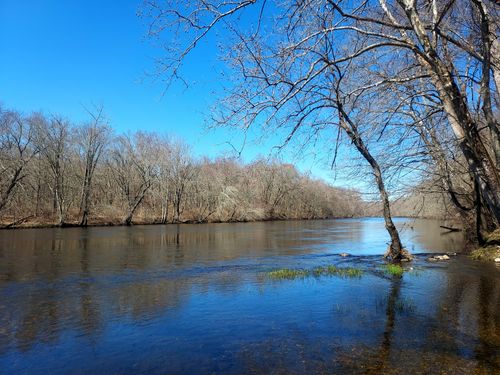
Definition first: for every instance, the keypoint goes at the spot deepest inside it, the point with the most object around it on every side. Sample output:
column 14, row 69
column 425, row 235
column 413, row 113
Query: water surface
column 187, row 299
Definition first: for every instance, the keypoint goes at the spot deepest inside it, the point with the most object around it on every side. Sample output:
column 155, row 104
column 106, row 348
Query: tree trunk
column 85, row 204
column 60, row 210
column 479, row 162
column 133, row 207
column 466, row 131
column 395, row 250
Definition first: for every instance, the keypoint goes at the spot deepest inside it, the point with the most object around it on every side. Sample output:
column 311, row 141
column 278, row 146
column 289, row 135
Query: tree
column 289, row 79
column 54, row 139
column 92, row 137
column 133, row 164
column 17, row 150
column 182, row 175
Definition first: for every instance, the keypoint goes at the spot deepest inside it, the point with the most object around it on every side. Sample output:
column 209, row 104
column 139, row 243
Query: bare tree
column 92, row 140
column 206, row 191
column 133, row 164
column 54, row 141
column 164, row 190
column 17, row 149
column 182, row 175
column 291, row 83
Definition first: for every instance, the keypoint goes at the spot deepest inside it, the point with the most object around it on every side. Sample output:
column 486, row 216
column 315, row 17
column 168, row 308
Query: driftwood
column 451, row 229
column 17, row 222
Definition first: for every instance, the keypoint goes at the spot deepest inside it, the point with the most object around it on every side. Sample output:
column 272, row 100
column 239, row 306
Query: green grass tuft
column 393, row 270
column 337, row 271
column 290, row 274
column 287, row 274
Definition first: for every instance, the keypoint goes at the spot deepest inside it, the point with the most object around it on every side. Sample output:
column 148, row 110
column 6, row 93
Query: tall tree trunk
column 85, row 202
column 466, row 131
column 60, row 209
column 489, row 44
column 395, row 250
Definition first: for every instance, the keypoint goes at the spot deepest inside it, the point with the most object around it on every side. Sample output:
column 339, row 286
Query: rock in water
column 436, row 258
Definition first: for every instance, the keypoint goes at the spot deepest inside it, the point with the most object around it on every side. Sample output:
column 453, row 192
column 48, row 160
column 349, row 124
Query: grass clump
column 342, row 272
column 393, row 270
column 290, row 274
column 287, row 274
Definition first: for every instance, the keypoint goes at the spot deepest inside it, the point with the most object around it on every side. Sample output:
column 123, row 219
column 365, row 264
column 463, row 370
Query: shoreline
column 48, row 225
column 189, row 222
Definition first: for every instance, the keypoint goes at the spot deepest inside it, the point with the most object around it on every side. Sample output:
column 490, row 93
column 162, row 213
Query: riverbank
column 119, row 223
column 40, row 222
column 490, row 251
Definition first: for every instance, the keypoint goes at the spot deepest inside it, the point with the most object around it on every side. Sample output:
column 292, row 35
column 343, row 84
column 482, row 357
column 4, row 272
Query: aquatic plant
column 290, row 274
column 286, row 273
column 338, row 271
column 393, row 270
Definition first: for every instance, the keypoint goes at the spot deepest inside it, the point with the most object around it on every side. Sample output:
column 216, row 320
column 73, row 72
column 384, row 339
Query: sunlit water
column 191, row 299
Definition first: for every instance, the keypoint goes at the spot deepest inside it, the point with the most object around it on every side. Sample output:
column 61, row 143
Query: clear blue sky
column 57, row 56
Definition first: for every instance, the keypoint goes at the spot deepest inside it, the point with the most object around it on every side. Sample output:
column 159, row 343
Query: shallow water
column 187, row 299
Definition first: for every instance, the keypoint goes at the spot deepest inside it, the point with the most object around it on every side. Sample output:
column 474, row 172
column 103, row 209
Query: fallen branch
column 451, row 229
column 17, row 222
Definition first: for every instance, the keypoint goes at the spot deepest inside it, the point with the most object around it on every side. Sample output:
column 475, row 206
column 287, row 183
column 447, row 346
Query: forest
column 55, row 172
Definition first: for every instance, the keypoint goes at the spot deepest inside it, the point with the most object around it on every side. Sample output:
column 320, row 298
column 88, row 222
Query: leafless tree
column 17, row 150
column 93, row 137
column 182, row 175
column 133, row 165
column 292, row 83
column 54, row 139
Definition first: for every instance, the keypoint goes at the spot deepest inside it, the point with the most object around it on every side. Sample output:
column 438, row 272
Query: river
column 198, row 299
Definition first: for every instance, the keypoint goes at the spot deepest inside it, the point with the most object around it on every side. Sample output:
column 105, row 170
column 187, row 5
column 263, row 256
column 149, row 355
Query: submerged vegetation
column 330, row 270
column 400, row 305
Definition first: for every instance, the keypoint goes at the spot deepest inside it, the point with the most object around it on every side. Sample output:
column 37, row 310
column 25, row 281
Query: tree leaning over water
column 289, row 55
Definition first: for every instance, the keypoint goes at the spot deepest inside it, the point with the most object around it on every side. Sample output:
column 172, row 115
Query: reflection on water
column 194, row 299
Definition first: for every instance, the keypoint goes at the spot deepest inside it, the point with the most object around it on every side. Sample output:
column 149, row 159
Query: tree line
column 53, row 171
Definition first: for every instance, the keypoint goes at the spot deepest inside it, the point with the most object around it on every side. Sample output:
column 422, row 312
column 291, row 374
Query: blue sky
column 58, row 56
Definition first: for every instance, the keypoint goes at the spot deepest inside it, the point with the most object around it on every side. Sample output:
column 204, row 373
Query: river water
column 198, row 299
